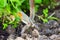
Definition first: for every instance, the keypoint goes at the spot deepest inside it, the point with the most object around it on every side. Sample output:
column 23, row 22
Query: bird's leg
column 36, row 26
column 33, row 24
column 25, row 28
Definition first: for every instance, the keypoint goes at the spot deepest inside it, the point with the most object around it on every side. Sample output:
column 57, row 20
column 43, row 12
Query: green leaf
column 8, row 8
column 0, row 14
column 18, row 2
column 38, row 1
column 17, row 19
column 14, row 0
column 36, row 8
column 5, row 26
column 45, row 12
column 46, row 2
column 11, row 22
column 53, row 18
column 3, row 3
column 45, row 20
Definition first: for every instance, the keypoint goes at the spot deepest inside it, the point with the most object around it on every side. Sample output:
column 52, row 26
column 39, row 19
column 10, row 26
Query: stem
column 32, row 9
column 14, row 6
column 51, row 14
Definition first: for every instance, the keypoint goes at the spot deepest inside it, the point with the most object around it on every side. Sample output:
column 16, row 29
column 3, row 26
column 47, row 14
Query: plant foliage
column 9, row 9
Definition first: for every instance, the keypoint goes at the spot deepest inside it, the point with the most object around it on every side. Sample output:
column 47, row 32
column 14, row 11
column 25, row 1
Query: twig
column 51, row 14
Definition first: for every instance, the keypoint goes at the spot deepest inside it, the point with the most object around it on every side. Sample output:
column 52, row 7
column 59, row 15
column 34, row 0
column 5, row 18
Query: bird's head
column 20, row 15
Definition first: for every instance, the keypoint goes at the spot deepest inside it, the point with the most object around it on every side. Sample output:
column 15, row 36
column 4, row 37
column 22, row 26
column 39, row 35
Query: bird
column 27, row 20
column 24, row 18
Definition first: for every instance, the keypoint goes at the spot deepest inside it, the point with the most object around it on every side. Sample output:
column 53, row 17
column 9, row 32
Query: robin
column 25, row 19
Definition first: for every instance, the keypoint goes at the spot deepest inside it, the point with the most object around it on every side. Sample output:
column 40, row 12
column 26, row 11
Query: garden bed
column 48, row 31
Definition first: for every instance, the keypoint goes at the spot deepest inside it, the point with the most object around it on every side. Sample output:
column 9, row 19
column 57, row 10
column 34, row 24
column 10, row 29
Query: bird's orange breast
column 20, row 14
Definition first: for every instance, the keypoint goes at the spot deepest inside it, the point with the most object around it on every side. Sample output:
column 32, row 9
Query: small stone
column 35, row 33
column 19, row 38
column 43, row 37
column 11, row 37
column 52, row 24
column 57, row 13
column 24, row 35
column 10, row 30
column 53, row 36
column 34, row 38
column 57, row 38
column 27, row 38
column 58, row 29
